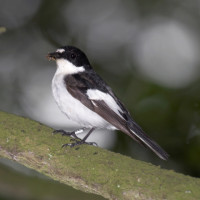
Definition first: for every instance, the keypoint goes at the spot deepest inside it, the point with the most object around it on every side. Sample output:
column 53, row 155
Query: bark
column 90, row 169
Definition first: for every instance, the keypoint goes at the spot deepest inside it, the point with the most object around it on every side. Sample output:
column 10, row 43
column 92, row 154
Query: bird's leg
column 83, row 141
column 72, row 133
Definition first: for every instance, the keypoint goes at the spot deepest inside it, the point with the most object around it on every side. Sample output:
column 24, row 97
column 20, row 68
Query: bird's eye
column 73, row 55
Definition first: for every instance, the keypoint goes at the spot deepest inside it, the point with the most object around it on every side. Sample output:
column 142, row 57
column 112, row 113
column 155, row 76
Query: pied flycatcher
column 83, row 96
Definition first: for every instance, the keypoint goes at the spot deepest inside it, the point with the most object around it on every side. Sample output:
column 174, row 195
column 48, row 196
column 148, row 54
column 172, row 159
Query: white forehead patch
column 60, row 50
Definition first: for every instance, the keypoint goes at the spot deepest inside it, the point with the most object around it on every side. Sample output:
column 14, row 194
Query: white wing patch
column 94, row 103
column 95, row 94
column 60, row 50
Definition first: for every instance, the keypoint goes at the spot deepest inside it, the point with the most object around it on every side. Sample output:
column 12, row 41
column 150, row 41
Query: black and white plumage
column 85, row 98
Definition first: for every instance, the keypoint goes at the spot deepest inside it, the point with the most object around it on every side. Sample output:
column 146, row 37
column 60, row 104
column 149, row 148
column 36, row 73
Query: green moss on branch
column 90, row 169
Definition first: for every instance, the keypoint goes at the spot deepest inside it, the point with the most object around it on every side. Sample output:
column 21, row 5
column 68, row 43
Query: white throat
column 66, row 67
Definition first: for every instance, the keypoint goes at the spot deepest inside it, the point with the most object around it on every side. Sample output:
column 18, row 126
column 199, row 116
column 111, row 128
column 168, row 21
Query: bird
column 85, row 98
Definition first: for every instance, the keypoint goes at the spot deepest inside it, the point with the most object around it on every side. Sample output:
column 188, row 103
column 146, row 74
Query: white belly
column 73, row 108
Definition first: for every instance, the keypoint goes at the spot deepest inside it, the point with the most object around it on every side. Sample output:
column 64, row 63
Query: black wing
column 78, row 84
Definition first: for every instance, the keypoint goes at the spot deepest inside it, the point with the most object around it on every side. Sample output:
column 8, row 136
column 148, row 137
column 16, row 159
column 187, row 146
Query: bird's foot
column 78, row 143
column 76, row 140
column 65, row 133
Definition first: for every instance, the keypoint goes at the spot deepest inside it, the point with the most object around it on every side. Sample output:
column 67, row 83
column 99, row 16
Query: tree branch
column 89, row 168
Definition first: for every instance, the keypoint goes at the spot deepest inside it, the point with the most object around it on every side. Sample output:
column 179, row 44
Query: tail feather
column 138, row 134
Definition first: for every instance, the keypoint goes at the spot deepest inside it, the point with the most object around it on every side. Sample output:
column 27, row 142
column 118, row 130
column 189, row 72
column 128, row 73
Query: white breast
column 73, row 108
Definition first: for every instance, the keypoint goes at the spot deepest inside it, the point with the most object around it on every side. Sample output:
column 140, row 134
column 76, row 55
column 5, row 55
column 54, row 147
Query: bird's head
column 70, row 59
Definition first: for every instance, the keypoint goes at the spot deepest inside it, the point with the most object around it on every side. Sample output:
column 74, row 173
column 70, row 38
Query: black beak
column 53, row 56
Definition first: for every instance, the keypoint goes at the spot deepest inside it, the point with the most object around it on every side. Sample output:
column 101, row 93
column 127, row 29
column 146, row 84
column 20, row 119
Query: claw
column 65, row 145
column 64, row 133
column 78, row 143
column 74, row 139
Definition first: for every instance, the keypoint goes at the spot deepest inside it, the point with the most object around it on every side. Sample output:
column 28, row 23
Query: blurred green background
column 147, row 51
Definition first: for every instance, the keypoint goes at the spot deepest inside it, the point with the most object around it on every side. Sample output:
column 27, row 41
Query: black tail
column 138, row 134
